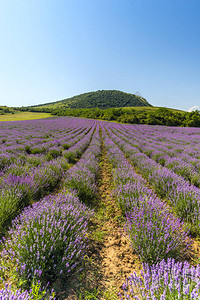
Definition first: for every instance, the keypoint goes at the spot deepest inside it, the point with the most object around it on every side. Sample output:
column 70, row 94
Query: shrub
column 47, row 240
column 82, row 180
column 155, row 233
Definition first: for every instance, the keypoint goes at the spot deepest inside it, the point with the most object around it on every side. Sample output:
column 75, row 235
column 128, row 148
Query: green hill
column 112, row 105
column 99, row 99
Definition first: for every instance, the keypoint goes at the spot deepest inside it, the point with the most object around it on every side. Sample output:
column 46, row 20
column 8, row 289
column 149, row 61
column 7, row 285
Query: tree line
column 161, row 116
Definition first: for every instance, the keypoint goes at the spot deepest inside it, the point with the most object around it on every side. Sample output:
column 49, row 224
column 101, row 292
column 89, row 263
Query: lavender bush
column 154, row 232
column 82, row 180
column 10, row 201
column 47, row 240
column 166, row 280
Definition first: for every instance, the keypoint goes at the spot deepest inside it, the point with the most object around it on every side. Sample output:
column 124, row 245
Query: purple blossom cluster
column 80, row 143
column 164, row 280
column 47, row 240
column 7, row 294
column 35, row 293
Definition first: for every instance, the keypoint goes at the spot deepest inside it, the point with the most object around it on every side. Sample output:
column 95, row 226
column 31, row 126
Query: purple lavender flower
column 165, row 280
column 47, row 237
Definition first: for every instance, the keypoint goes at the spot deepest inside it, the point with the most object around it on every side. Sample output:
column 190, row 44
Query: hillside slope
column 100, row 99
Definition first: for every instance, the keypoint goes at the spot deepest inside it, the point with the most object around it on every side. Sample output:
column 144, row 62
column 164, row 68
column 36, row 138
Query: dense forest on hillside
column 101, row 99
column 161, row 116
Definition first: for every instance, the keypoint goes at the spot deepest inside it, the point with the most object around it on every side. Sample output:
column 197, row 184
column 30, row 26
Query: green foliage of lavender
column 70, row 156
column 54, row 153
column 46, row 241
column 35, row 293
column 167, row 280
column 82, row 180
column 9, row 202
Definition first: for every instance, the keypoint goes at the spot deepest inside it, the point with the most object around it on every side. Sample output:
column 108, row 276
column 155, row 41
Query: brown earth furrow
column 117, row 256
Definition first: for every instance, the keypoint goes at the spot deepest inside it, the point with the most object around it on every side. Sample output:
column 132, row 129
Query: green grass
column 20, row 116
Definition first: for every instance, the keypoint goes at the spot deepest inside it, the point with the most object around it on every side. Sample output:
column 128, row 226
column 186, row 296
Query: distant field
column 20, row 116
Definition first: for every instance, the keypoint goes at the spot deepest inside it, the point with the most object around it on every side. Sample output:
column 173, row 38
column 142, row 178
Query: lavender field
column 68, row 185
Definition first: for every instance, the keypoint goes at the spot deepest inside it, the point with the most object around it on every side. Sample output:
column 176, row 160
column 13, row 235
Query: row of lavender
column 27, row 146
column 155, row 234
column 179, row 152
column 153, row 230
column 183, row 196
column 48, row 239
column 23, row 184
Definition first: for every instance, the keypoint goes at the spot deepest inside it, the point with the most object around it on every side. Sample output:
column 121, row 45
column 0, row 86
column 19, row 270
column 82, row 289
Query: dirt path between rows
column 118, row 259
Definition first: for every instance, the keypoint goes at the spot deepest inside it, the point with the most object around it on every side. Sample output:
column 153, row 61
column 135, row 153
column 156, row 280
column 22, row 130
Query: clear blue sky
column 51, row 50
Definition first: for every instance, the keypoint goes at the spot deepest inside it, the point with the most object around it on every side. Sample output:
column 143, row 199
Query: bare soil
column 118, row 257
